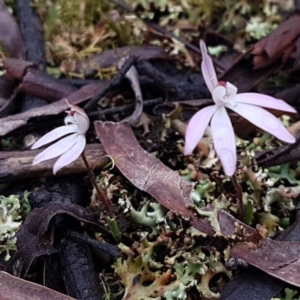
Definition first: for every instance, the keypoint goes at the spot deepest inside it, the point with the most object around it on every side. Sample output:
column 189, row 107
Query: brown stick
column 17, row 165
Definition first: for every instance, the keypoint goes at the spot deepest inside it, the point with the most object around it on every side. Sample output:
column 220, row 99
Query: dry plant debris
column 179, row 228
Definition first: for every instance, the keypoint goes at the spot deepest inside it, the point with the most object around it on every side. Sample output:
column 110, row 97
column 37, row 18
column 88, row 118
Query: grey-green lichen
column 287, row 294
column 267, row 194
column 203, row 193
column 12, row 212
column 150, row 214
column 257, row 28
column 183, row 268
column 281, row 194
column 284, row 172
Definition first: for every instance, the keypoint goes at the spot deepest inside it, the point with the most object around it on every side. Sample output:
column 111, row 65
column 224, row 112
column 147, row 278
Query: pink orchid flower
column 245, row 104
column 69, row 148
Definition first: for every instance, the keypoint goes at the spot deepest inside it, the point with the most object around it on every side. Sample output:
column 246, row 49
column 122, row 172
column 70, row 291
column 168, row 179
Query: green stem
column 99, row 190
column 114, row 230
column 239, row 194
column 249, row 212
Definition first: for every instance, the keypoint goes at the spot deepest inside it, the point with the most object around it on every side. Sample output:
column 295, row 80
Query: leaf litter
column 182, row 224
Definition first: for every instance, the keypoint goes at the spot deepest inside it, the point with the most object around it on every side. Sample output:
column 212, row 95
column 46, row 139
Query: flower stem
column 114, row 229
column 99, row 190
column 249, row 212
column 239, row 194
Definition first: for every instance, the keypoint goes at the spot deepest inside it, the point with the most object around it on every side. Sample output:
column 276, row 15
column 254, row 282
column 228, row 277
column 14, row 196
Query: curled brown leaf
column 279, row 44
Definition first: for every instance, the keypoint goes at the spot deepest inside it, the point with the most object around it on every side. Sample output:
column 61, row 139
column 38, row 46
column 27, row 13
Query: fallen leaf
column 149, row 174
column 15, row 288
column 278, row 258
column 29, row 237
column 256, row 284
column 146, row 172
column 10, row 36
column 242, row 74
column 280, row 43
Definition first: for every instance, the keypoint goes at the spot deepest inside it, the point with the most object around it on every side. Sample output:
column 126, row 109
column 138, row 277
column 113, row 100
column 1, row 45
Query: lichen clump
column 168, row 268
column 12, row 212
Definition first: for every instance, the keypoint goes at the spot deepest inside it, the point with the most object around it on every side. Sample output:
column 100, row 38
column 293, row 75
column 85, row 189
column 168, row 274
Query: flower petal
column 225, row 94
column 218, row 95
column 264, row 101
column 224, row 140
column 54, row 135
column 56, row 149
column 81, row 119
column 264, row 120
column 76, row 108
column 71, row 155
column 196, row 128
column 208, row 70
column 83, row 123
column 231, row 93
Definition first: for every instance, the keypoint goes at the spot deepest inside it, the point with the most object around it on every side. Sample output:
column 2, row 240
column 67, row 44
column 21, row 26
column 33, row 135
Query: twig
column 17, row 165
column 92, row 116
column 116, row 80
column 123, row 108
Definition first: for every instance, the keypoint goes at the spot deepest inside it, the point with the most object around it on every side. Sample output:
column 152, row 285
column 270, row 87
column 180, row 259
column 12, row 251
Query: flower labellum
column 72, row 139
column 224, row 95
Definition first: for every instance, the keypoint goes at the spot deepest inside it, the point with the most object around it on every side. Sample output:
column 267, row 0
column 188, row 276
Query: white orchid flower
column 245, row 104
column 70, row 147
